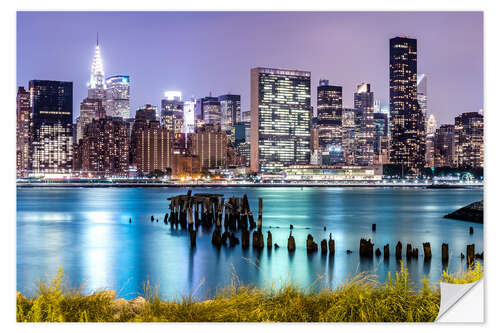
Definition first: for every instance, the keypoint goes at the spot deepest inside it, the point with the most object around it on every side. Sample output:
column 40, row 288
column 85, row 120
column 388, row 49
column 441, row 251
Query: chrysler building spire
column 96, row 84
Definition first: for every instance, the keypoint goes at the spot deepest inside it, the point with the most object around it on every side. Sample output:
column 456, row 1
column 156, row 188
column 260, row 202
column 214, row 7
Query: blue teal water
column 86, row 231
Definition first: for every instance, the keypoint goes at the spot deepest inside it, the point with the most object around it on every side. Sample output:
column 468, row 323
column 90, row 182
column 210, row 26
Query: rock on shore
column 470, row 213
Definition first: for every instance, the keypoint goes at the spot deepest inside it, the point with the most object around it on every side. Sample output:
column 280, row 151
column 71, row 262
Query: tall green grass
column 361, row 299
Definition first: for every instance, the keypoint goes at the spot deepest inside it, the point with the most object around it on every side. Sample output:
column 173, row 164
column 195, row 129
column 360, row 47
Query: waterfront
column 86, row 231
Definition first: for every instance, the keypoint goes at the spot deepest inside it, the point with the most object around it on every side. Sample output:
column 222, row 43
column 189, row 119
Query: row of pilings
column 208, row 210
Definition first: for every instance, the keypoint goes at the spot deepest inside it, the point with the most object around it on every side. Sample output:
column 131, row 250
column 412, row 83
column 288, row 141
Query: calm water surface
column 86, row 231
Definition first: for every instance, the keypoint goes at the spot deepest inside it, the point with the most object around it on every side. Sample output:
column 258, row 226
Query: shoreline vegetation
column 361, row 299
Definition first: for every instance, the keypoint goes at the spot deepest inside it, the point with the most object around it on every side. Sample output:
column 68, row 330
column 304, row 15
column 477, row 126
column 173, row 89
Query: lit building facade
column 52, row 126
column 230, row 109
column 209, row 143
column 349, row 135
column 189, row 119
column 153, row 148
column 90, row 109
column 444, row 146
column 280, row 118
column 104, row 148
column 364, row 135
column 329, row 121
column 211, row 113
column 311, row 173
column 23, row 130
column 422, row 93
column 118, row 96
column 172, row 112
column 407, row 121
column 469, row 140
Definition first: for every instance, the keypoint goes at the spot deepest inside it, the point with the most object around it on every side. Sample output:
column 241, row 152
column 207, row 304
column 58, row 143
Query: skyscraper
column 422, row 93
column 407, row 121
column 444, row 146
column 230, row 109
column 23, row 127
column 97, row 85
column 52, row 126
column 209, row 143
column 329, row 125
column 118, row 96
column 172, row 112
column 211, row 110
column 90, row 109
column 363, row 103
column 469, row 140
column 189, row 119
column 280, row 118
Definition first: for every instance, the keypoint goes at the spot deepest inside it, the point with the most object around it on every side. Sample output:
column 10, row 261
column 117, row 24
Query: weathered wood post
column 259, row 220
column 408, row 251
column 311, row 245
column 377, row 252
column 399, row 250
column 365, row 248
column 386, row 251
column 470, row 254
column 189, row 211
column 374, row 227
column 471, row 230
column 165, row 219
column 129, row 220
column 331, row 245
column 415, row 253
column 257, row 240
column 192, row 236
column 152, row 218
column 245, row 239
column 324, row 247
column 427, row 251
column 269, row 240
column 291, row 243
column 444, row 252
column 233, row 240
column 216, row 237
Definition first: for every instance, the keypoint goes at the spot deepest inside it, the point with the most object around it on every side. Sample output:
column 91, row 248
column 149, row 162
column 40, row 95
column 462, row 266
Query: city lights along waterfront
column 105, row 238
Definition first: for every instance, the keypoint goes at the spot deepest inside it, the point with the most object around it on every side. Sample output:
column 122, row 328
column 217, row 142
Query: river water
column 86, row 231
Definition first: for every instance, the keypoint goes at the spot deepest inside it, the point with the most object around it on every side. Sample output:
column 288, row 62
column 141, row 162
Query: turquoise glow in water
column 86, row 231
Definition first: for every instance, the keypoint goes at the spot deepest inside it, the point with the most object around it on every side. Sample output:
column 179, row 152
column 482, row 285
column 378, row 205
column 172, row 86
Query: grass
column 362, row 299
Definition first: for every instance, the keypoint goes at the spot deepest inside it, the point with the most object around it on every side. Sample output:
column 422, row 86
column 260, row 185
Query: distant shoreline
column 375, row 185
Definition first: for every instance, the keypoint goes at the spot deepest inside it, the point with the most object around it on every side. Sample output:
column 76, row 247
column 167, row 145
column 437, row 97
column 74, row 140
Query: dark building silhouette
column 329, row 121
column 230, row 110
column 52, row 126
column 407, row 119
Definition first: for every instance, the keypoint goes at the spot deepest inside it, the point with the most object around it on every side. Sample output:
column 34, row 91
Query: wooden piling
column 470, row 254
column 324, row 247
column 471, row 230
column 408, row 251
column 399, row 249
column 245, row 239
column 386, row 251
column 291, row 243
column 427, row 251
column 374, row 227
column 414, row 253
column 444, row 252
column 377, row 252
column 259, row 220
column 192, row 236
column 365, row 248
column 311, row 245
column 269, row 240
column 331, row 245
column 216, row 238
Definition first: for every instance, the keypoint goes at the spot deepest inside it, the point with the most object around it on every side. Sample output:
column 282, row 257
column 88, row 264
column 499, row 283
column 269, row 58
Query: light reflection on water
column 86, row 231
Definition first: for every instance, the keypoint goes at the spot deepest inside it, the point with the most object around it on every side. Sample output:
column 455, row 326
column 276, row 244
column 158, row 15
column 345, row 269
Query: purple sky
column 202, row 52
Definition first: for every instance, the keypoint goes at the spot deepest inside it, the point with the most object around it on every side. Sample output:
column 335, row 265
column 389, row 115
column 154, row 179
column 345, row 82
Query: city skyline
column 454, row 85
